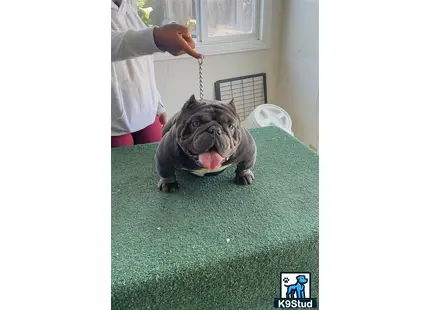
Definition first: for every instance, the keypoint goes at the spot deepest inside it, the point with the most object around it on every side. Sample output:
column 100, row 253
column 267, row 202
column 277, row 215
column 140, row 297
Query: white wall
column 178, row 79
column 297, row 87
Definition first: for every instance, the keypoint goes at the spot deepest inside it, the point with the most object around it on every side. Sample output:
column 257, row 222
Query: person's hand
column 175, row 39
column 163, row 119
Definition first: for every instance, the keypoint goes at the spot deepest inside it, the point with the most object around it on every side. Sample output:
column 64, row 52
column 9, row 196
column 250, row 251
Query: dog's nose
column 215, row 129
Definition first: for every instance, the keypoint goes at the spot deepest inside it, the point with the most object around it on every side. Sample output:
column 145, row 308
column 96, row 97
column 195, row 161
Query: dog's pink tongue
column 210, row 160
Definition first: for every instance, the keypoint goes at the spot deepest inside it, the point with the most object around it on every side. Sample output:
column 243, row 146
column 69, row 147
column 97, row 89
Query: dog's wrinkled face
column 208, row 131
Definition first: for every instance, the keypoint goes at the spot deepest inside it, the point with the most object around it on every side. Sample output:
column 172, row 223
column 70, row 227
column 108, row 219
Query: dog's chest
column 204, row 171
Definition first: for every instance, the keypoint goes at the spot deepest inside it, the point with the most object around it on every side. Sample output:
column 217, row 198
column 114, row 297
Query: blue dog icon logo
column 296, row 290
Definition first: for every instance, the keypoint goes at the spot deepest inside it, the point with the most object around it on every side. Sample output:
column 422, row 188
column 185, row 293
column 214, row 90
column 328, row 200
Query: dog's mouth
column 211, row 159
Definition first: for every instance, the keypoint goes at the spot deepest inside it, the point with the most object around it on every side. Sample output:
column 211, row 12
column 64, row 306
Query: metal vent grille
column 248, row 91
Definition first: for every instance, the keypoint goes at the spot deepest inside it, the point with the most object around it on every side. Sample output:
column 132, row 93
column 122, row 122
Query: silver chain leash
column 201, row 76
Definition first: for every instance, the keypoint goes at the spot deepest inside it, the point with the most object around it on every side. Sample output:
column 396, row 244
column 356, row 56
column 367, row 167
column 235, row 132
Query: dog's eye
column 231, row 126
column 195, row 124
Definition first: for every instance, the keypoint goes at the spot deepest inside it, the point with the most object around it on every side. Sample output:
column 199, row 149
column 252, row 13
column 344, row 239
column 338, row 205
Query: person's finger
column 187, row 37
column 182, row 29
column 188, row 49
column 190, row 41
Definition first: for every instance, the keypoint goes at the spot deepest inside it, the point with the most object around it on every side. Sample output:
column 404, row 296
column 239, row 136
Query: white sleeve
column 133, row 43
column 160, row 109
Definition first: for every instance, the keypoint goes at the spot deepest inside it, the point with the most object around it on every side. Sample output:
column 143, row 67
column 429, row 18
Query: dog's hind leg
column 291, row 292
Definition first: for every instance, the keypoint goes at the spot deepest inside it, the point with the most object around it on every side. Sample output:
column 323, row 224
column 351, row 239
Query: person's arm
column 161, row 111
column 172, row 38
column 133, row 43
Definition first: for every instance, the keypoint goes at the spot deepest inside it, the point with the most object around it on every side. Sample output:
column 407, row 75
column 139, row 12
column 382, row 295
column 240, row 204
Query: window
column 217, row 26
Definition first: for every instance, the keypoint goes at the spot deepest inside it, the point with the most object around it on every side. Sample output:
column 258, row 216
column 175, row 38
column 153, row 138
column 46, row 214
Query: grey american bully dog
column 204, row 138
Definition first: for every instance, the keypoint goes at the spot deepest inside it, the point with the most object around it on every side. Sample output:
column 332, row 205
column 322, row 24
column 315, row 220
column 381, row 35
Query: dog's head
column 302, row 279
column 208, row 131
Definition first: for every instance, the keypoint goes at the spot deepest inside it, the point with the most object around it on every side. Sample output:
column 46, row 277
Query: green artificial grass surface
column 213, row 244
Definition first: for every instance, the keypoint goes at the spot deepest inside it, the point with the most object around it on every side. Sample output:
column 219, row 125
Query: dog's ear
column 191, row 102
column 232, row 105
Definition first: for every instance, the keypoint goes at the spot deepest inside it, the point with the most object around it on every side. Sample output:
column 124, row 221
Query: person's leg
column 150, row 134
column 124, row 140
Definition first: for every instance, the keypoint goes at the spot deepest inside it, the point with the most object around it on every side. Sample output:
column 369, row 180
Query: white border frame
column 220, row 46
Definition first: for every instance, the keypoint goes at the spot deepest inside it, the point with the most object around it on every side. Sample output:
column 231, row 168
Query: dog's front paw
column 244, row 177
column 168, row 185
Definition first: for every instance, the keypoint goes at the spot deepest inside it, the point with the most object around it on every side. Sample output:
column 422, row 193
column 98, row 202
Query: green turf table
column 213, row 244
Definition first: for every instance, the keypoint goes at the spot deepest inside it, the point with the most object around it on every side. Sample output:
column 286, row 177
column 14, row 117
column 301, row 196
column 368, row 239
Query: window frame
column 260, row 40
